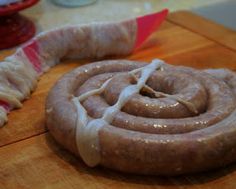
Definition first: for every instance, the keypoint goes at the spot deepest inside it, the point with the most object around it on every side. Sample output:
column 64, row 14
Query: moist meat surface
column 151, row 134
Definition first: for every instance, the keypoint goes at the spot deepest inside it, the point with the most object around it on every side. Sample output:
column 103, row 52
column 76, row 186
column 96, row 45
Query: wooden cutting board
column 30, row 158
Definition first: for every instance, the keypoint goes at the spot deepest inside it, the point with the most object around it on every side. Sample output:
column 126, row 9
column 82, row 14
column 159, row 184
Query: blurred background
column 47, row 15
column 42, row 15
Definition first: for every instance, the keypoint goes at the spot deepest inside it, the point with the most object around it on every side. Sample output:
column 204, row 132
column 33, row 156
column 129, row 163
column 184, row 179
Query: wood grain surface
column 30, row 158
column 218, row 33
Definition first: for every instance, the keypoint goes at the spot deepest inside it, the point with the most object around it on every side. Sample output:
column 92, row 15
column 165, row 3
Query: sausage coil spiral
column 146, row 118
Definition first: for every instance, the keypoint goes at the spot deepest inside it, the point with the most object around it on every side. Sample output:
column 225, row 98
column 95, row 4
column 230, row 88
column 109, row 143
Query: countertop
column 29, row 156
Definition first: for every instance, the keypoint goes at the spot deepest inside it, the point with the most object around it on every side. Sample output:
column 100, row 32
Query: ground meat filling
column 181, row 120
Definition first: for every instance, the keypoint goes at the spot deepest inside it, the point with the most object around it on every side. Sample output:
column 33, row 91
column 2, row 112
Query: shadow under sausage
column 182, row 180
